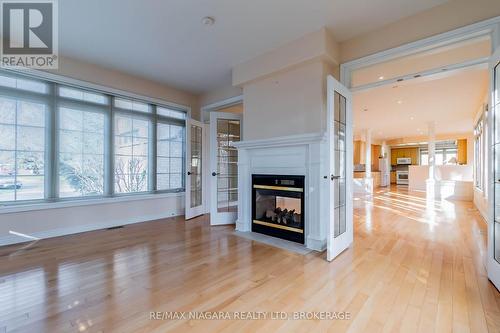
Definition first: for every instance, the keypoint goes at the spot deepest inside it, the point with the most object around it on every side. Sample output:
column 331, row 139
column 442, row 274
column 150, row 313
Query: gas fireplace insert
column 278, row 206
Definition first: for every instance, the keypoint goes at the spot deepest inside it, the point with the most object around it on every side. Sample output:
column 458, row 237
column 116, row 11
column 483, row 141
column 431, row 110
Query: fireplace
column 278, row 206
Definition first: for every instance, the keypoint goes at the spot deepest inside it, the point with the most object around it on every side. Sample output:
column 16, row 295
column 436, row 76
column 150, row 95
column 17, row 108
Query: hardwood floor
column 414, row 267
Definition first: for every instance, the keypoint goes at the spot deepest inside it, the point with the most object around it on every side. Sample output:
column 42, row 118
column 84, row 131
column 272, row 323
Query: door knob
column 189, row 173
column 214, row 173
column 332, row 177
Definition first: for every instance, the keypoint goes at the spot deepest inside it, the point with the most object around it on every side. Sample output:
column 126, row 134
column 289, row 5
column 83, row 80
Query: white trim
column 8, row 209
column 61, row 79
column 13, row 239
column 481, row 63
column 488, row 27
column 290, row 140
column 223, row 103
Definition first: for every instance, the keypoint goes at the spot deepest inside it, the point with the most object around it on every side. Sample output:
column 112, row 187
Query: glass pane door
column 339, row 181
column 194, row 178
column 228, row 132
column 196, row 164
column 494, row 166
column 339, row 151
column 225, row 130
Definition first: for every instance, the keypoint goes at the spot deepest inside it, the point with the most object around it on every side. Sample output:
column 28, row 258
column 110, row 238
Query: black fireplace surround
column 278, row 206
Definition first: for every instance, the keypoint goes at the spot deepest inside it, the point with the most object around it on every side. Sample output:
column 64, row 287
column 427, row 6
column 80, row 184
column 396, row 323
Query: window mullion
column 153, row 151
column 109, row 173
column 51, row 146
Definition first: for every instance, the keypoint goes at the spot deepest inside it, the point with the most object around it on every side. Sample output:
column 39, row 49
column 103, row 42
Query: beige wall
column 315, row 46
column 220, row 94
column 451, row 15
column 285, row 103
column 119, row 80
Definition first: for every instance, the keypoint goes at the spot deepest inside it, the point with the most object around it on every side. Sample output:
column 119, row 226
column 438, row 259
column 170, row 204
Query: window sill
column 7, row 209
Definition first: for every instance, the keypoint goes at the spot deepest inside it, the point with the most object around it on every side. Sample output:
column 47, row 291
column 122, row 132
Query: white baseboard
column 14, row 239
column 316, row 244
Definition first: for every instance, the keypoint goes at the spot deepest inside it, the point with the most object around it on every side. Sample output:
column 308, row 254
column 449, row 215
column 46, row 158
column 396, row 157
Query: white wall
column 65, row 220
column 453, row 181
column 68, row 220
column 481, row 196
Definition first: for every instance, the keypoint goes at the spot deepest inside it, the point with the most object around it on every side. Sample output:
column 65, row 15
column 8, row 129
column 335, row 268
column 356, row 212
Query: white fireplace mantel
column 290, row 155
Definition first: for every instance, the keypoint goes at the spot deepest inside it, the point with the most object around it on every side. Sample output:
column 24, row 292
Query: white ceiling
column 166, row 42
column 451, row 101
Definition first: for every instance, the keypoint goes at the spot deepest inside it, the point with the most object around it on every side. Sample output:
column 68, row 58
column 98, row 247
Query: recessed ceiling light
column 400, row 102
column 411, row 118
column 381, row 77
column 208, row 20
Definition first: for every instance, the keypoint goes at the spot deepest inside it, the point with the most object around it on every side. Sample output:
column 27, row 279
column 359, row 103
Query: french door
column 225, row 130
column 194, row 173
column 340, row 146
column 494, row 174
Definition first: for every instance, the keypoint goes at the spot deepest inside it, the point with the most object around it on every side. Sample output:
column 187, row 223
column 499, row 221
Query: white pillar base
column 432, row 189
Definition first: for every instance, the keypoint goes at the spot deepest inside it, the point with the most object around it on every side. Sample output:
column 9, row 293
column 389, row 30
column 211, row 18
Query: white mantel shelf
column 290, row 140
column 301, row 154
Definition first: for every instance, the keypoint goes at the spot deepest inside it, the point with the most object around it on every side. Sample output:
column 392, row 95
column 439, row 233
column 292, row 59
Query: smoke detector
column 208, row 20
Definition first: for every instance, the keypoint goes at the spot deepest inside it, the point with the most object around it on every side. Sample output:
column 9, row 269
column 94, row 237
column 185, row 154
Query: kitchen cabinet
column 393, row 177
column 376, row 151
column 462, row 151
column 405, row 152
column 359, row 152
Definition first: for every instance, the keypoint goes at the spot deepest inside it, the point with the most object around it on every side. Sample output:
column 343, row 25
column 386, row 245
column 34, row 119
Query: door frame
column 487, row 28
column 205, row 118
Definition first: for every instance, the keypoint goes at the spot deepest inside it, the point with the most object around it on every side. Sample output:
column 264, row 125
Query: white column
column 368, row 151
column 432, row 150
column 431, row 180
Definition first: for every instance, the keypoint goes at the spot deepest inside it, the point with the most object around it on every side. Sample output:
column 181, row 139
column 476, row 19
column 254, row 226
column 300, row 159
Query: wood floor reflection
column 415, row 267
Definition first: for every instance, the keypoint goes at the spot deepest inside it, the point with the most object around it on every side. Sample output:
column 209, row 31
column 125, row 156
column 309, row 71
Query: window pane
column 22, row 150
column 81, row 153
column 131, row 154
column 170, row 113
column 83, row 95
column 129, row 104
column 170, row 156
column 24, row 84
column 7, row 111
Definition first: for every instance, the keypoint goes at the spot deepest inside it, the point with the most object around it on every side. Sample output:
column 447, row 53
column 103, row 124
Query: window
column 132, row 136
column 63, row 142
column 83, row 95
column 22, row 149
column 445, row 153
column 128, row 104
column 170, row 154
column 171, row 113
column 81, row 153
column 479, row 152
